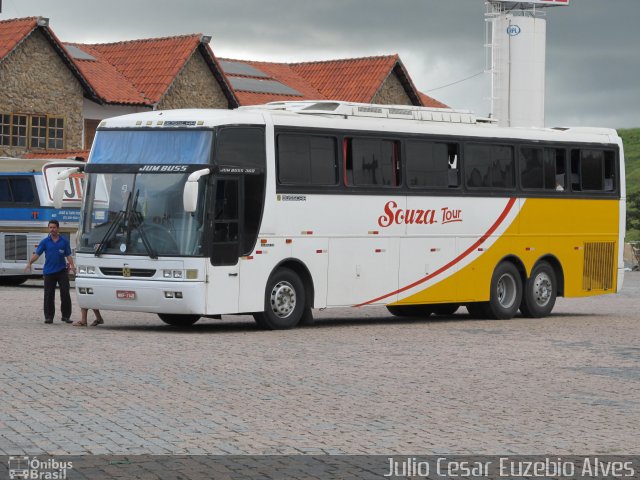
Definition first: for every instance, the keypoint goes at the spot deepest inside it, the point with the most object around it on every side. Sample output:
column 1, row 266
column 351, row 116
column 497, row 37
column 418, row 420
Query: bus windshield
column 140, row 214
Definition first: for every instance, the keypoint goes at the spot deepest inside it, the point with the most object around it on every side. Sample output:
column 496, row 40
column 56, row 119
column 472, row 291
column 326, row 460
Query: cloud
column 593, row 59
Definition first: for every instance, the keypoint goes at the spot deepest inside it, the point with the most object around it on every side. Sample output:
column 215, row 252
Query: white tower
column 518, row 32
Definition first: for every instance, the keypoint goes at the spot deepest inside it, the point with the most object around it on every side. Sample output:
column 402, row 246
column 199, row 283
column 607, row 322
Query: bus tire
column 506, row 292
column 410, row 310
column 445, row 308
column 176, row 320
column 539, row 295
column 13, row 281
column 284, row 301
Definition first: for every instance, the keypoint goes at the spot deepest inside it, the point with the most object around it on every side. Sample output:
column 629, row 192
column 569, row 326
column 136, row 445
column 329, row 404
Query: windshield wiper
column 140, row 225
column 112, row 228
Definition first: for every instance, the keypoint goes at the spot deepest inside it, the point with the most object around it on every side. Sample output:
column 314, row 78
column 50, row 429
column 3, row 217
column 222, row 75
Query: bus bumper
column 142, row 296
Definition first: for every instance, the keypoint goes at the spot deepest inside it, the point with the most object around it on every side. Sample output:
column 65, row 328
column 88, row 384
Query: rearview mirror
column 190, row 193
column 61, row 183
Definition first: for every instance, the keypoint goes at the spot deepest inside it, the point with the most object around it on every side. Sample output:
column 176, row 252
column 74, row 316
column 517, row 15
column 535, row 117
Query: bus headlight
column 86, row 270
column 177, row 274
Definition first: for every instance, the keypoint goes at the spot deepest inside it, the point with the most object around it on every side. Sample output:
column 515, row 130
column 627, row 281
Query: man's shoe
column 48, row 320
column 66, row 320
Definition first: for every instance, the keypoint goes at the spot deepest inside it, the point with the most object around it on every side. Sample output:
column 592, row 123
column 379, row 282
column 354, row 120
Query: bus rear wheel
column 506, row 292
column 410, row 310
column 176, row 320
column 539, row 295
column 284, row 301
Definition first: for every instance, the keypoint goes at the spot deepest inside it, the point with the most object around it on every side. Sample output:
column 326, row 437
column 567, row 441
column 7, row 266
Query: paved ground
column 365, row 383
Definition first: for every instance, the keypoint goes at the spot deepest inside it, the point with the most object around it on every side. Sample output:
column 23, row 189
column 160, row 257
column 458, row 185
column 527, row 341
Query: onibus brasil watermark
column 25, row 467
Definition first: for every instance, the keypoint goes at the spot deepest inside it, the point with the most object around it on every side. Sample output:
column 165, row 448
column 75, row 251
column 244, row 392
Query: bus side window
column 489, row 166
column 17, row 190
column 5, row 193
column 609, row 171
column 372, row 162
column 431, row 164
column 555, row 169
column 531, row 168
column 575, row 170
column 22, row 190
column 307, row 160
column 593, row 170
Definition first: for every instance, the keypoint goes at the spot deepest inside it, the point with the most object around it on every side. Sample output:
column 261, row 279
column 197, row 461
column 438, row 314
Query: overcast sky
column 593, row 46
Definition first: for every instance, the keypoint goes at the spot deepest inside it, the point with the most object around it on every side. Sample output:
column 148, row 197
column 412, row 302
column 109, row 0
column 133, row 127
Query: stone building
column 53, row 95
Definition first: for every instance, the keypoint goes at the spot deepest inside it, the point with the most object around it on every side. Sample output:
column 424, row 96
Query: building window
column 38, row 131
column 19, row 130
column 55, row 133
column 5, row 129
column 33, row 131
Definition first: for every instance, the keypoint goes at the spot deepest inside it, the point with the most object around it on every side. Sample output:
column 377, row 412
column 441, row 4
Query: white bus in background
column 278, row 209
column 26, row 206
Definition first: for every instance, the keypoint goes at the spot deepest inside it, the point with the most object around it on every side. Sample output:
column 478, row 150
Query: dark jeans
column 62, row 279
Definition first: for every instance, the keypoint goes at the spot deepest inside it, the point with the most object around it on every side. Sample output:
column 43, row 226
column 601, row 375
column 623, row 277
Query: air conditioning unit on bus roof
column 351, row 109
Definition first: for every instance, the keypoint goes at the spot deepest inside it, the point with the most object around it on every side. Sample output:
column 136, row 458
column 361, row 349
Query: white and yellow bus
column 279, row 209
column 26, row 206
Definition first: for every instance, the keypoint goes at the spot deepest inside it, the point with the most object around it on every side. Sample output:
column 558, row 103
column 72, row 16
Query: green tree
column 633, row 215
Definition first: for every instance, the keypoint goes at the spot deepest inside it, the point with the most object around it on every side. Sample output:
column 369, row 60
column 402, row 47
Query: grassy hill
column 631, row 140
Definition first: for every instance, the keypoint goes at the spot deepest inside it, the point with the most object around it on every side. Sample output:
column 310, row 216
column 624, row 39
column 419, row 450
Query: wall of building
column 392, row 93
column 194, row 87
column 35, row 80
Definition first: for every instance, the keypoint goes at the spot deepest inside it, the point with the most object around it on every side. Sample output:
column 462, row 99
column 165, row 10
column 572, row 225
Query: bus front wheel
column 539, row 295
column 176, row 320
column 506, row 292
column 284, row 301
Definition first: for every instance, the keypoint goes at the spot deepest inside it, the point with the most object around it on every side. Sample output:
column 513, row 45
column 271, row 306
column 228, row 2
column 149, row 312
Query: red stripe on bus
column 446, row 267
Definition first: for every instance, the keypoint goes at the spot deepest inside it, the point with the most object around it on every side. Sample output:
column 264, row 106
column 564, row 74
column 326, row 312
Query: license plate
column 125, row 294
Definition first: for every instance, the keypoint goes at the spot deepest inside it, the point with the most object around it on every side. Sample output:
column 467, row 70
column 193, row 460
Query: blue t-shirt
column 55, row 254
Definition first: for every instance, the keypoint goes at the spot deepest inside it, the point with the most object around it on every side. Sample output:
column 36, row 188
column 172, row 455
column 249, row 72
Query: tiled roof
column 13, row 32
column 351, row 80
column 428, row 101
column 60, row 154
column 110, row 85
column 141, row 71
column 280, row 72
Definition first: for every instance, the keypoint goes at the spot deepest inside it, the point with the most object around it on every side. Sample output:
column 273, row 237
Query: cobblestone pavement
column 357, row 382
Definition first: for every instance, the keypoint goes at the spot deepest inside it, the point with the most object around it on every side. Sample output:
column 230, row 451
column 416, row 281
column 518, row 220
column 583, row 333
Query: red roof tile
column 280, row 72
column 13, row 32
column 62, row 154
column 141, row 71
column 428, row 101
column 351, row 80
column 348, row 80
column 110, row 85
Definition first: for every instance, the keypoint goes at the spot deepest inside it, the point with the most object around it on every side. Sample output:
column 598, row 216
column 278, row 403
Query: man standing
column 56, row 250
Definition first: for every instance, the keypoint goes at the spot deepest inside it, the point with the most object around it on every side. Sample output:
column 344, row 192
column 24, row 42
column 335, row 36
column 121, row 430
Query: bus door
column 225, row 244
